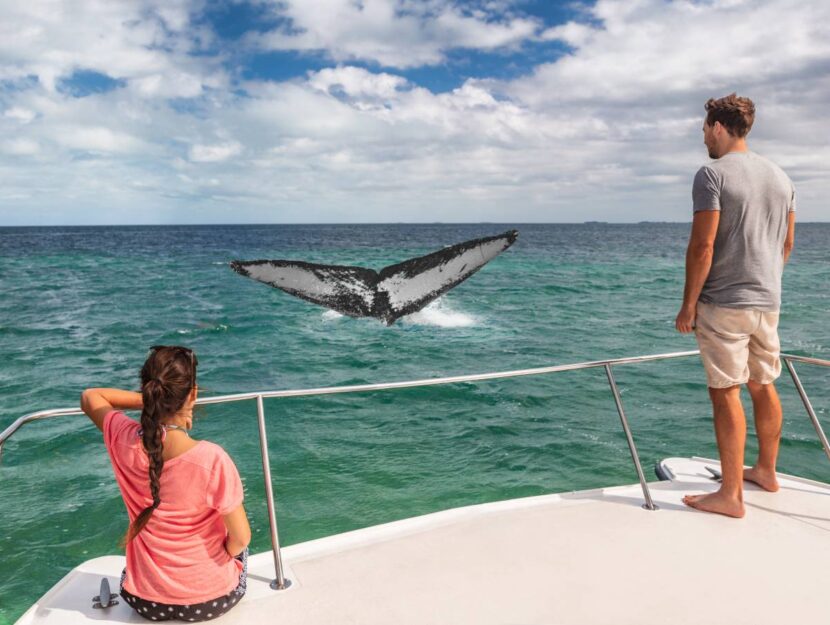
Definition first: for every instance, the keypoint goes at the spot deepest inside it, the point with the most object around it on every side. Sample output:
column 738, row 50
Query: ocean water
column 80, row 306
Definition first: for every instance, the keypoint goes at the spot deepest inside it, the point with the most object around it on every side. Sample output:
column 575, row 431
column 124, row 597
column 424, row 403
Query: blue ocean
column 80, row 306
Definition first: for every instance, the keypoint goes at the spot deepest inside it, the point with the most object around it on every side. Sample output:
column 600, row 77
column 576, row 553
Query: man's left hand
column 685, row 321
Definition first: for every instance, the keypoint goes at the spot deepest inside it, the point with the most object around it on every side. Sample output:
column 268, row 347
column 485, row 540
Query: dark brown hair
column 167, row 378
column 734, row 113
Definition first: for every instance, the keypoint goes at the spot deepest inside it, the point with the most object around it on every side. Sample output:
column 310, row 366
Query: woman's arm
column 97, row 402
column 239, row 532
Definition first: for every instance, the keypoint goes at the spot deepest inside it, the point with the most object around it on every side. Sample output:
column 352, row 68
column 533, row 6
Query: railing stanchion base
column 275, row 586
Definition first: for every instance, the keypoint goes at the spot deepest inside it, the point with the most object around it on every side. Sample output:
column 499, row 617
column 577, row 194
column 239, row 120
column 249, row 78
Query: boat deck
column 583, row 557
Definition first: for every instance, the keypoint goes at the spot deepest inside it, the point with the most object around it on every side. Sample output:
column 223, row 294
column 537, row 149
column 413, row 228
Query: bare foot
column 716, row 502
column 763, row 478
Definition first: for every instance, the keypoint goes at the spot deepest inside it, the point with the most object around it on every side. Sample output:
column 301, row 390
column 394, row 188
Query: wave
column 204, row 326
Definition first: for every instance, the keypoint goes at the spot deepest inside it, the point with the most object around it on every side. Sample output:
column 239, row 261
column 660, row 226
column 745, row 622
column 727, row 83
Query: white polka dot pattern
column 205, row 611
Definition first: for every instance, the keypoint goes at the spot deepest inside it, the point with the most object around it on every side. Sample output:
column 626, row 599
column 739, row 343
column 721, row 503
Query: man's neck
column 739, row 145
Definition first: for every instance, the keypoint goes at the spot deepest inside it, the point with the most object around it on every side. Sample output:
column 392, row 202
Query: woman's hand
column 97, row 402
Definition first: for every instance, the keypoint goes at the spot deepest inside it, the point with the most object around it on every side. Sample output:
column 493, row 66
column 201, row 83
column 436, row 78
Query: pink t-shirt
column 179, row 557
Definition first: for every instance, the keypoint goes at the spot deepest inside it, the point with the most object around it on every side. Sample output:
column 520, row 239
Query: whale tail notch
column 397, row 290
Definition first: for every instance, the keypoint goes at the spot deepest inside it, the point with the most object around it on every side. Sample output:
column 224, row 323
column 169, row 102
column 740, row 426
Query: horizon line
column 367, row 223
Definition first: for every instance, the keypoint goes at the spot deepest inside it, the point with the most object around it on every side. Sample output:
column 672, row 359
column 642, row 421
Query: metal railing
column 280, row 582
column 788, row 361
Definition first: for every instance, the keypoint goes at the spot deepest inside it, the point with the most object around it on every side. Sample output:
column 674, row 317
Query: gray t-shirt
column 754, row 197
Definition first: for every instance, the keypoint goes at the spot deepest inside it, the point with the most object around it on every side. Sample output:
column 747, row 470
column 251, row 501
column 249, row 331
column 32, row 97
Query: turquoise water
column 80, row 306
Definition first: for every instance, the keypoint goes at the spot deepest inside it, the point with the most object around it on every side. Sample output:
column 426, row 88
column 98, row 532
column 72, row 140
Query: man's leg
column 764, row 367
column 730, row 432
column 768, row 419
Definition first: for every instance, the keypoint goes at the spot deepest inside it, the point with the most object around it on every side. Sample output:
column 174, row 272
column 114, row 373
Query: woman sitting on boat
column 188, row 536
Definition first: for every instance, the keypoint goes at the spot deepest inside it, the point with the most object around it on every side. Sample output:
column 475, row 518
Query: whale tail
column 397, row 290
column 348, row 290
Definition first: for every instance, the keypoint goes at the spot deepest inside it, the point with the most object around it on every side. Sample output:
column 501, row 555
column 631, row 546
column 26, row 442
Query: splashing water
column 332, row 315
column 436, row 314
column 440, row 314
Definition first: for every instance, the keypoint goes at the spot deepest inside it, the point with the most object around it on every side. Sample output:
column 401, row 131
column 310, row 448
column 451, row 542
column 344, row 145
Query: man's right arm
column 698, row 263
column 789, row 242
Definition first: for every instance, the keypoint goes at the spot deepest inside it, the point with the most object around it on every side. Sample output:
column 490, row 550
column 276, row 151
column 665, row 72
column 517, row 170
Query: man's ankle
column 764, row 467
column 733, row 493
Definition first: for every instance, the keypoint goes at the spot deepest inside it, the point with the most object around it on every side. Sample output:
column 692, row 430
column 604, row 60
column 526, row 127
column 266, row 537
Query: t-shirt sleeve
column 224, row 493
column 706, row 190
column 116, row 426
column 792, row 199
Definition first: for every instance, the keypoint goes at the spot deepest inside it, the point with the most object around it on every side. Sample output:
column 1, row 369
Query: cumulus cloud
column 393, row 33
column 644, row 69
column 146, row 43
column 95, row 139
column 214, row 153
column 670, row 49
column 19, row 114
column 610, row 130
column 20, row 147
column 356, row 81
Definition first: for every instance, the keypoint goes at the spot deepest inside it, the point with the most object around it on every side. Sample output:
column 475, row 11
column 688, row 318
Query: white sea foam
column 436, row 314
column 204, row 326
column 440, row 314
column 331, row 315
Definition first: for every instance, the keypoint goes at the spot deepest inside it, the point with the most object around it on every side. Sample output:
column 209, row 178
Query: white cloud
column 356, row 81
column 169, row 84
column 95, row 139
column 658, row 49
column 393, row 33
column 20, row 147
column 20, row 114
column 609, row 131
column 572, row 33
column 214, row 153
column 145, row 43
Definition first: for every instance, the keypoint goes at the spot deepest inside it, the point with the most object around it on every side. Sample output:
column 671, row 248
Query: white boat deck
column 575, row 558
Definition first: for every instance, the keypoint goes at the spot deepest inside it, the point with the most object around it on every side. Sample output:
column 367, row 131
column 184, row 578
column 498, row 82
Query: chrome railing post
column 808, row 406
column 280, row 583
column 649, row 504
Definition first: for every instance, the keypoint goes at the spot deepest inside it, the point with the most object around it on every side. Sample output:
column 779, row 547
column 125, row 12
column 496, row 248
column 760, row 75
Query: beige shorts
column 737, row 345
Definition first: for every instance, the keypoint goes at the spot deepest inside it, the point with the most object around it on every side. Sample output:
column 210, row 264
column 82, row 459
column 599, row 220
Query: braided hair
column 167, row 379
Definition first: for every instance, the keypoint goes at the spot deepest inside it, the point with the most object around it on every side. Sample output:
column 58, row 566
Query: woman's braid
column 167, row 380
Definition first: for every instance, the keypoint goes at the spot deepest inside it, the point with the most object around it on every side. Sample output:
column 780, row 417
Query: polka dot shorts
column 195, row 612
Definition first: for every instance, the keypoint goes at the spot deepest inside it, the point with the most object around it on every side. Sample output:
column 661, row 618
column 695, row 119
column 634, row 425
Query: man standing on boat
column 742, row 234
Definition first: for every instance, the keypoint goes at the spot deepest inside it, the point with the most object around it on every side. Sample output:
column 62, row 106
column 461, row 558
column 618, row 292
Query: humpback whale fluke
column 389, row 294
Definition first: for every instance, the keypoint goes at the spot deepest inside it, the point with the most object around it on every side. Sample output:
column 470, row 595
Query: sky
column 378, row 111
